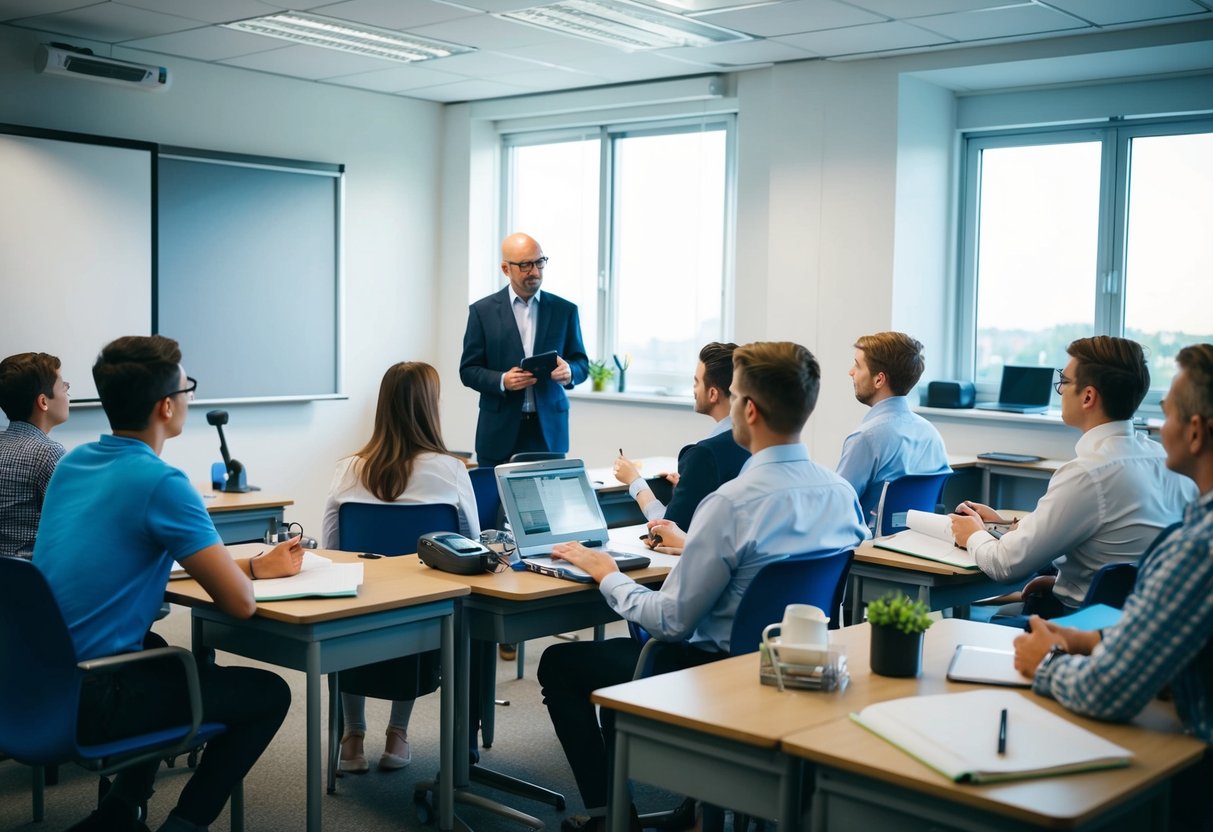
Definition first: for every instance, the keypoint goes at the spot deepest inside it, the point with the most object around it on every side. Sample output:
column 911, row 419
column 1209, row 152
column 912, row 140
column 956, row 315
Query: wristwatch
column 1057, row 650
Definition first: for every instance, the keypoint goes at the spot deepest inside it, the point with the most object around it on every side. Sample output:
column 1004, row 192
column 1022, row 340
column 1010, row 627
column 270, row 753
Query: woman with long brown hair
column 405, row 461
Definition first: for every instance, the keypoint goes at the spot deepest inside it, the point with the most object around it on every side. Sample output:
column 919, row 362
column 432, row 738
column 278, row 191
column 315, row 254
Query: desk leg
column 446, row 733
column 315, row 781
column 856, row 600
column 620, row 809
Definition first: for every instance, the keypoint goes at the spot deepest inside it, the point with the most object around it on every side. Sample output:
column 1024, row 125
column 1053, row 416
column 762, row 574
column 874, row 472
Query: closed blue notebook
column 1094, row 617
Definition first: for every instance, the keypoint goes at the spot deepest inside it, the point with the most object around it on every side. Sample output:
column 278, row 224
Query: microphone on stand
column 235, row 479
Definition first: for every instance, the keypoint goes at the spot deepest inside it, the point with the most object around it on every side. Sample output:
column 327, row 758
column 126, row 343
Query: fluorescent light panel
column 331, row 33
column 623, row 24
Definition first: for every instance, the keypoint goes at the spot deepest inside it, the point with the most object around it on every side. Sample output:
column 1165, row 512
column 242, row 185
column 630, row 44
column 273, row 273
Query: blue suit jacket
column 702, row 468
column 492, row 345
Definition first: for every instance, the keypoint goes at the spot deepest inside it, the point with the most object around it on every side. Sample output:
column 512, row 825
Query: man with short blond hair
column 34, row 397
column 892, row 441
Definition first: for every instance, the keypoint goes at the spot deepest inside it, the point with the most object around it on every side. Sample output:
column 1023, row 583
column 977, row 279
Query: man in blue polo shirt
column 115, row 518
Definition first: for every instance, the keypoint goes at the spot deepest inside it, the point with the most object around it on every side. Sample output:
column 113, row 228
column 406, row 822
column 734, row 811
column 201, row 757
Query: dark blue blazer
column 702, row 468
column 492, row 346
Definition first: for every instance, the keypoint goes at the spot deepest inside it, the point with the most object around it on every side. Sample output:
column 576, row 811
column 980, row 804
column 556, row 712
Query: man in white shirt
column 1105, row 506
column 892, row 441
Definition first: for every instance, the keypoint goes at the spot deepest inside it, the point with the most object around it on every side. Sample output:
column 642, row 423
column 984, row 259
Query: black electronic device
column 1023, row 390
column 235, row 481
column 951, row 394
column 540, row 366
column 454, row 553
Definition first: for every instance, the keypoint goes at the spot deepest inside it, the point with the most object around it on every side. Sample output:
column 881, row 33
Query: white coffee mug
column 803, row 635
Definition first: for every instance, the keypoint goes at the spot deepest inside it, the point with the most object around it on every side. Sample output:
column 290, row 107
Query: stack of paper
column 930, row 537
column 957, row 735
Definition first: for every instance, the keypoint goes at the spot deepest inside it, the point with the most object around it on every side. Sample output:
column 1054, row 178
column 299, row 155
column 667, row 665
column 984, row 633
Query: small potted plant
column 897, row 627
column 600, row 374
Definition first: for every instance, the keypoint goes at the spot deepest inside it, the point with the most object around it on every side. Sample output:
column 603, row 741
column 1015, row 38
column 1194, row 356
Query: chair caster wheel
column 425, row 811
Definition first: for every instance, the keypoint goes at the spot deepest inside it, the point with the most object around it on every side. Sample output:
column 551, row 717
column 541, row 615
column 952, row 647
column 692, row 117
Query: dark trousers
column 569, row 672
column 530, row 438
column 251, row 703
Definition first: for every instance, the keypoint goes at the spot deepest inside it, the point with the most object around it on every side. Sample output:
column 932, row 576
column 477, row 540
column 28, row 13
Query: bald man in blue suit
column 519, row 412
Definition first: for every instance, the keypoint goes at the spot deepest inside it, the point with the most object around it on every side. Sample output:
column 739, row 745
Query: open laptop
column 552, row 502
column 1023, row 390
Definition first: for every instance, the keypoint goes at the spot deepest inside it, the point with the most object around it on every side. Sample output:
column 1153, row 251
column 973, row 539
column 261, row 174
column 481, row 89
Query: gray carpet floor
column 275, row 798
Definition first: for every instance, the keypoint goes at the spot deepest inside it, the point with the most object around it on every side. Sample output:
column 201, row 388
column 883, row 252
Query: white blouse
column 436, row 478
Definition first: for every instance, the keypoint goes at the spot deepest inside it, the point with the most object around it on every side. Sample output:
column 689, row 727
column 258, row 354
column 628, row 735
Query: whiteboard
column 76, row 243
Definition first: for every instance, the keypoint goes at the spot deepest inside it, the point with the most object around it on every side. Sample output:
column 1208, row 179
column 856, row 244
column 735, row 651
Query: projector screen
column 75, row 246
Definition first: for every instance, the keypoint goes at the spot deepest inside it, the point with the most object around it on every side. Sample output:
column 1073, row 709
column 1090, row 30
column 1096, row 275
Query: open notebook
column 930, row 537
column 957, row 735
column 318, row 577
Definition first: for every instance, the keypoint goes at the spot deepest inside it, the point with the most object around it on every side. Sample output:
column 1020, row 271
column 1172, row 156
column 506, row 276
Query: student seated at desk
column 782, row 503
column 405, row 461
column 34, row 397
column 116, row 517
column 1105, row 506
column 1165, row 636
column 707, row 464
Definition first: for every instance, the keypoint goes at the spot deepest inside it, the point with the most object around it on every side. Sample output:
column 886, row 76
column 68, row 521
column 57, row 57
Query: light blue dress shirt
column 891, row 441
column 781, row 504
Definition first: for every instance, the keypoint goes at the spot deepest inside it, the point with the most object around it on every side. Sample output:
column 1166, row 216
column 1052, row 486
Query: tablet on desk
column 540, row 366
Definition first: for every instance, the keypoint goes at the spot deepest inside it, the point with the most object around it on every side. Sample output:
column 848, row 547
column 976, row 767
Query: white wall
column 391, row 150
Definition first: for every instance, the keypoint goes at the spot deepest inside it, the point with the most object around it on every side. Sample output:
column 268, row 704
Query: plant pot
column 895, row 653
column 598, row 384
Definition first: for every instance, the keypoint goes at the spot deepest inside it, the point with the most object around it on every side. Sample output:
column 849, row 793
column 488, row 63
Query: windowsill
column 651, row 399
column 1048, row 420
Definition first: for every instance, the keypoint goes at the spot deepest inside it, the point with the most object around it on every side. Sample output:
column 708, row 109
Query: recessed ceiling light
column 331, row 33
column 624, row 24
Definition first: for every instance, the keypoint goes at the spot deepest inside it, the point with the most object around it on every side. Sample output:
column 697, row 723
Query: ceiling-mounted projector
column 76, row 62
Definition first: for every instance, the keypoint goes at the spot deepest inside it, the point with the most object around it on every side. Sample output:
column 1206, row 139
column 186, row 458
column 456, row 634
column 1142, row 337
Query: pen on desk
column 1002, row 732
column 621, row 451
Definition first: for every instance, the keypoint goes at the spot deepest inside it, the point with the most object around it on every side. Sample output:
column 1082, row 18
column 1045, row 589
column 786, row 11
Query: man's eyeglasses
column 192, row 387
column 527, row 265
column 1062, row 381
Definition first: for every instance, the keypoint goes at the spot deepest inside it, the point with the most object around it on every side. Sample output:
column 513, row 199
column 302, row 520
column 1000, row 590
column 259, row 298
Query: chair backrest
column 488, row 499
column 1111, row 585
column 816, row 578
column 915, row 491
column 535, row 456
column 391, row 528
column 40, row 694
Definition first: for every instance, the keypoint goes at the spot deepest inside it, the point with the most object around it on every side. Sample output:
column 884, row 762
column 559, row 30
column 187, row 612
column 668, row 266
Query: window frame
column 1115, row 136
column 608, row 132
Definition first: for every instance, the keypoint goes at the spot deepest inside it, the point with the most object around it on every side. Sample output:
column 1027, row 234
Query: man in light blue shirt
column 781, row 504
column 891, row 441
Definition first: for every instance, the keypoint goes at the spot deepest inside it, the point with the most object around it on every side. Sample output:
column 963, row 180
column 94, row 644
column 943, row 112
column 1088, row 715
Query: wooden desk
column 397, row 612
column 863, row 782
column 715, row 733
column 994, row 473
column 241, row 518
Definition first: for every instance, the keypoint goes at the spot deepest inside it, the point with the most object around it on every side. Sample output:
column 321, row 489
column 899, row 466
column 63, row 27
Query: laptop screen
column 1026, row 385
column 549, row 502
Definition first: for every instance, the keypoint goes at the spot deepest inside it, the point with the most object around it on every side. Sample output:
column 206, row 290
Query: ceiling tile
column 466, row 91
column 550, row 78
column 497, row 5
column 309, row 62
column 1109, row 12
column 16, row 9
column 857, row 40
column 207, row 43
column 1009, row 21
column 393, row 14
column 902, row 9
column 110, row 23
column 483, row 64
column 212, row 11
column 565, row 52
column 397, row 79
column 741, row 54
column 487, row 32
column 638, row 66
column 791, row 17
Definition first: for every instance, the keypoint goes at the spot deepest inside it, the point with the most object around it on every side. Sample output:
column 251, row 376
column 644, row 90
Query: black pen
column 1002, row 732
column 621, row 451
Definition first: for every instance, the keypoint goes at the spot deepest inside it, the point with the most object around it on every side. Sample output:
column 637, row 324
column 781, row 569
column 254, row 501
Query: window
column 637, row 222
column 1070, row 233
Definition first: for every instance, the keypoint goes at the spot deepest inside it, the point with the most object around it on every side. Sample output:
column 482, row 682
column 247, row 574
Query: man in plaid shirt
column 1165, row 636
column 34, row 397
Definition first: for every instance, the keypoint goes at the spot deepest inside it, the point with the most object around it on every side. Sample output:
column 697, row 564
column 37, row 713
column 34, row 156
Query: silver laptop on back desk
column 552, row 502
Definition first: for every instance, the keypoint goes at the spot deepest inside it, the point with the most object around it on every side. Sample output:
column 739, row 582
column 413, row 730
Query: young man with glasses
column 115, row 518
column 34, row 397
column 1104, row 506
column 519, row 412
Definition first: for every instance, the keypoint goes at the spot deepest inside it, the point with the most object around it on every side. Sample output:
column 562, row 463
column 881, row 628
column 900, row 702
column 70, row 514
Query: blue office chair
column 391, row 528
column 535, row 456
column 919, row 491
column 39, row 703
column 488, row 499
column 817, row 578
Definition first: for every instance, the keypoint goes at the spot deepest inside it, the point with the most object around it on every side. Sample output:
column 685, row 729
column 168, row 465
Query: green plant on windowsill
column 600, row 374
column 900, row 612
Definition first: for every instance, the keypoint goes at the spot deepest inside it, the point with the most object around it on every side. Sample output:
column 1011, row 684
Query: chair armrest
column 642, row 663
column 185, row 657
